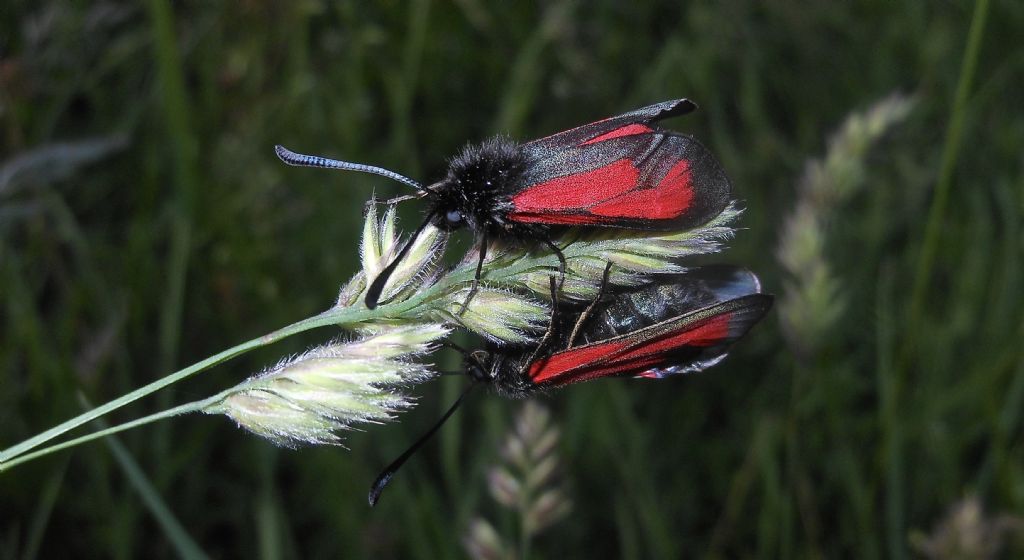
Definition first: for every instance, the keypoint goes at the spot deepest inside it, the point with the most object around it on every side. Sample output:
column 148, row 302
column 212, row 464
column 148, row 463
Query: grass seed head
column 309, row 398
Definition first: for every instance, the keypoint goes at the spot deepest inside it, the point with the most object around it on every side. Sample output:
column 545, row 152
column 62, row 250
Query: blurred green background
column 145, row 224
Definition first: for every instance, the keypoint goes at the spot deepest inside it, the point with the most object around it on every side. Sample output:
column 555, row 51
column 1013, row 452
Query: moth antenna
column 303, row 160
column 382, row 480
column 373, row 293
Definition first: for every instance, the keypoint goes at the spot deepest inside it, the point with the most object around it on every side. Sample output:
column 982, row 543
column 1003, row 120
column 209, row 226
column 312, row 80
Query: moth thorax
column 485, row 170
column 474, row 193
column 508, row 377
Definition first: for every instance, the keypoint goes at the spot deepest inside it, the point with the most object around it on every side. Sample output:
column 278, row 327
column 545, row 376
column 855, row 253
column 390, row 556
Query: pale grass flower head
column 635, row 255
column 527, row 482
column 512, row 302
column 380, row 246
column 309, row 398
column 968, row 531
column 812, row 302
column 497, row 315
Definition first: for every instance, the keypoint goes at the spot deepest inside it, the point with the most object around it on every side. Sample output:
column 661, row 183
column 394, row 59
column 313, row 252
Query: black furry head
column 474, row 194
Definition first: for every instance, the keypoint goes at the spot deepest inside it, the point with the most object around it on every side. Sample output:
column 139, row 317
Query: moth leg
column 370, row 204
column 374, row 201
column 476, row 277
column 586, row 312
column 551, row 328
column 448, row 344
column 561, row 261
column 398, row 199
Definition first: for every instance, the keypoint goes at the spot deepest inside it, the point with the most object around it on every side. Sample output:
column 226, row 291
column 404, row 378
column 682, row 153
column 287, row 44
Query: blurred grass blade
column 527, row 70
column 950, row 153
column 44, row 509
column 55, row 161
column 890, row 420
column 269, row 513
column 172, row 528
column 177, row 118
column 176, row 534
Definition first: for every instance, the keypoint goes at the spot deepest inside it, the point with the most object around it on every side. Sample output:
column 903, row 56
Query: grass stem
column 950, row 152
column 331, row 317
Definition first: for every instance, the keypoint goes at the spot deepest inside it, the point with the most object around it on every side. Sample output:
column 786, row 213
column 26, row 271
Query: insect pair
column 620, row 172
column 681, row 323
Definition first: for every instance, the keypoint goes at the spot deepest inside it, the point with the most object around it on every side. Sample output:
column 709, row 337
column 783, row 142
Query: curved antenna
column 385, row 477
column 377, row 286
column 303, row 160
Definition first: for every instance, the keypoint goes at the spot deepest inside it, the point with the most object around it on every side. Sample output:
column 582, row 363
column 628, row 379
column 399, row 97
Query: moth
column 680, row 324
column 620, row 172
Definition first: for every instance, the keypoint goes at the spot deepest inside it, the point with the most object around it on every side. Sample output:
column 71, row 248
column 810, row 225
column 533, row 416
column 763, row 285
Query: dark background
column 145, row 224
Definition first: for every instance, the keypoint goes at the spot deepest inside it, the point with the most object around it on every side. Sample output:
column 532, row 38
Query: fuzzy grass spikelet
column 968, row 531
column 812, row 300
column 512, row 303
column 309, row 398
column 380, row 246
column 498, row 315
column 634, row 254
column 527, row 483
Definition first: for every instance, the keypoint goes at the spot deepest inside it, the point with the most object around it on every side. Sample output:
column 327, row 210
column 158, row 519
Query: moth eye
column 454, row 216
column 478, row 373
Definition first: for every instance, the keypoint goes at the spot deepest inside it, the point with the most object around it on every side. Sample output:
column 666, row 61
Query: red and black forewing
column 683, row 344
column 621, row 172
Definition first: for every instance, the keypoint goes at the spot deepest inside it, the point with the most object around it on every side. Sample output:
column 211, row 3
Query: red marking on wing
column 604, row 195
column 561, row 362
column 706, row 333
column 577, row 190
column 669, row 199
column 586, row 373
column 628, row 130
column 711, row 333
column 627, row 356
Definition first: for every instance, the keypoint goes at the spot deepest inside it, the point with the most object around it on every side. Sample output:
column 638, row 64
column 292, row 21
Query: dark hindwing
column 686, row 343
column 669, row 295
column 621, row 172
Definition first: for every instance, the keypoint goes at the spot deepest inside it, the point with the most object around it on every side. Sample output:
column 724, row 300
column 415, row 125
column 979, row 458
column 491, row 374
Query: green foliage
column 145, row 224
